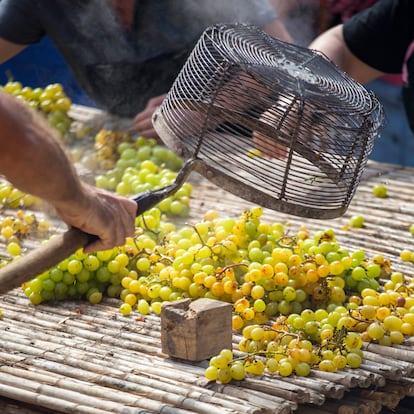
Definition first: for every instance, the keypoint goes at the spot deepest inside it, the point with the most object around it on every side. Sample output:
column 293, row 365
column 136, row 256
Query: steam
column 301, row 20
column 102, row 26
column 124, row 69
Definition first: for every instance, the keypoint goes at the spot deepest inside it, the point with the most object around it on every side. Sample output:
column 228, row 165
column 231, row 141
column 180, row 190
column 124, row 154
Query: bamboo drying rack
column 79, row 358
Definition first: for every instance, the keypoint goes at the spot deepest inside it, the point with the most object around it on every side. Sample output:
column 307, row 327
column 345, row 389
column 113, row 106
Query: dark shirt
column 381, row 36
column 121, row 69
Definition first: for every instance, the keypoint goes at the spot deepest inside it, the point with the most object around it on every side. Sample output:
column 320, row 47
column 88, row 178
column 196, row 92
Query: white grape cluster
column 51, row 101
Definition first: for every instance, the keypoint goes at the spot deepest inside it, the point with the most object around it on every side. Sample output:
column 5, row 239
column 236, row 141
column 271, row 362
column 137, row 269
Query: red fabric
column 393, row 78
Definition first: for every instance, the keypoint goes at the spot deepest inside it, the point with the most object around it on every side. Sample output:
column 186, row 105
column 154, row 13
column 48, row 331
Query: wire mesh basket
column 274, row 123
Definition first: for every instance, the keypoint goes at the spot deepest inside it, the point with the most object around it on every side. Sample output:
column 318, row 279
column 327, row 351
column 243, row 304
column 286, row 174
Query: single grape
column 224, row 375
column 95, row 297
column 302, row 369
column 285, row 368
column 375, row 330
column 237, row 371
column 353, row 360
column 211, row 373
column 125, row 309
column 379, row 190
column 143, row 307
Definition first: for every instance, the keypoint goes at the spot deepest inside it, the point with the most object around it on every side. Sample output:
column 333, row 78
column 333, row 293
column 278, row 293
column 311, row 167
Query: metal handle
column 151, row 198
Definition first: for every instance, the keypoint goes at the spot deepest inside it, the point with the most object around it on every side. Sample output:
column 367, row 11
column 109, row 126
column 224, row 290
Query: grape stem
column 220, row 274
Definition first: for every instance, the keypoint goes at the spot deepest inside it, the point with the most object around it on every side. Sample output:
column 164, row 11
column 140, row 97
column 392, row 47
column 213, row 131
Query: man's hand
column 143, row 121
column 97, row 212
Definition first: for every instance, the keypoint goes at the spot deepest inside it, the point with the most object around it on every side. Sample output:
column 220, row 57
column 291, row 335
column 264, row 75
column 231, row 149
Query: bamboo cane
column 396, row 353
column 407, row 368
column 387, row 371
column 332, row 390
column 387, row 399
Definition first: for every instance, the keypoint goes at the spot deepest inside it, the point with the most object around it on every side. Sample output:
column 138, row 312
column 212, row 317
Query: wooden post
column 196, row 330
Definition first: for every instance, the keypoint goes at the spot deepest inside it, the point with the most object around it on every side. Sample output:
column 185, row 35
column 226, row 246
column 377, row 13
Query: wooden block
column 196, row 330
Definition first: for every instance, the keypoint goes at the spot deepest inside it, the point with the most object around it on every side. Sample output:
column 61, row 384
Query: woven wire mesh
column 274, row 123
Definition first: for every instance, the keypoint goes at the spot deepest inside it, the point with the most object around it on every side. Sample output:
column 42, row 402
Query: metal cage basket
column 274, row 123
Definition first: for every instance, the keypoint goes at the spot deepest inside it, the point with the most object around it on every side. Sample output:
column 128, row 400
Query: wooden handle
column 43, row 258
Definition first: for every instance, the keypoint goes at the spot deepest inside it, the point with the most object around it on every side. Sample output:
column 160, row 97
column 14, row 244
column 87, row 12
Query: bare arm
column 33, row 159
column 28, row 145
column 9, row 49
column 332, row 44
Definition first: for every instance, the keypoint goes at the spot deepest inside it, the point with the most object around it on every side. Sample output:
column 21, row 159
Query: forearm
column 31, row 155
column 9, row 49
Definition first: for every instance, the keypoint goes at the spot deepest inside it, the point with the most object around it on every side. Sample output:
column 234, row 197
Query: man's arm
column 33, row 159
column 31, row 155
column 9, row 49
column 331, row 43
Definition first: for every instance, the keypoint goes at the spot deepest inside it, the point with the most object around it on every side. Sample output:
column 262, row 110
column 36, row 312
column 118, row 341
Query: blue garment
column 40, row 65
column 120, row 68
column 395, row 145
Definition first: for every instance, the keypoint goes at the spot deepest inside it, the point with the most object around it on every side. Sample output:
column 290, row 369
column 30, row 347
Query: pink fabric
column 410, row 51
column 347, row 8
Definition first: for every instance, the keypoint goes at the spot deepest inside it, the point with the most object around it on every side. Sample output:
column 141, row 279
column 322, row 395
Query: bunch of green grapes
column 385, row 316
column 81, row 276
column 91, row 276
column 106, row 147
column 144, row 165
column 51, row 100
column 263, row 275
column 115, row 151
column 246, row 262
column 326, row 339
column 277, row 350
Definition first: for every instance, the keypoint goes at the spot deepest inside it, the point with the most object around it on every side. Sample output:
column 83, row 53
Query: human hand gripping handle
column 52, row 252
column 61, row 247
